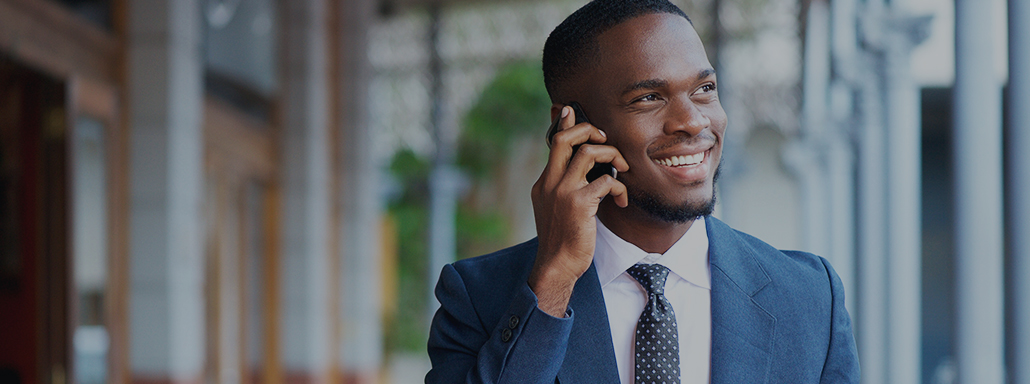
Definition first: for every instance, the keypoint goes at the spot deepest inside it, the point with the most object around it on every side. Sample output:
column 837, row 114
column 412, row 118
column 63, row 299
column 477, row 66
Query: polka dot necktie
column 657, row 343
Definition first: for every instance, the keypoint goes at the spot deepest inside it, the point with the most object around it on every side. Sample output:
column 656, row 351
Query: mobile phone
column 599, row 169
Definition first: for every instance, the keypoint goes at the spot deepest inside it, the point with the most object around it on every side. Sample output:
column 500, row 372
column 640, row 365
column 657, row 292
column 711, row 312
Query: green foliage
column 479, row 232
column 407, row 330
column 515, row 103
column 411, row 172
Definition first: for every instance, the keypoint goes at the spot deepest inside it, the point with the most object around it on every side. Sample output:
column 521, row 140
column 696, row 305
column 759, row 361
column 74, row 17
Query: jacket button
column 506, row 335
column 513, row 322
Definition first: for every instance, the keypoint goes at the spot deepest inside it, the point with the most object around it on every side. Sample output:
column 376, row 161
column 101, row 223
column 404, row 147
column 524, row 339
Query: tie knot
column 650, row 276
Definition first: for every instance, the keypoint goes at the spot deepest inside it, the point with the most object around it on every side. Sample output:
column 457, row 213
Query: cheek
column 718, row 118
column 632, row 147
column 626, row 145
column 627, row 135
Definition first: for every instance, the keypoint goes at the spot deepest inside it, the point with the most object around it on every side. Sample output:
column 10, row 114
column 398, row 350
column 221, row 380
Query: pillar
column 828, row 174
column 166, row 309
column 902, row 110
column 977, row 156
column 872, row 198
column 443, row 193
column 306, row 201
column 361, row 346
column 842, row 160
column 872, row 239
column 1019, row 185
column 810, row 149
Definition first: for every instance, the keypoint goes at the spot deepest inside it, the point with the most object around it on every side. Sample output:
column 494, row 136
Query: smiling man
column 630, row 280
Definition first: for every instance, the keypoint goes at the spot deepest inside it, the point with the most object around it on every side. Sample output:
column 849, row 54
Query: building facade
column 187, row 195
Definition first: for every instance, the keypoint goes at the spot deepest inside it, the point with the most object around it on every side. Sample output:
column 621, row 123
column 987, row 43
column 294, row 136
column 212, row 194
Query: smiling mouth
column 682, row 161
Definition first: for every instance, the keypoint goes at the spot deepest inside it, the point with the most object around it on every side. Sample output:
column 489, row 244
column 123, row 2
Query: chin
column 675, row 213
column 686, row 209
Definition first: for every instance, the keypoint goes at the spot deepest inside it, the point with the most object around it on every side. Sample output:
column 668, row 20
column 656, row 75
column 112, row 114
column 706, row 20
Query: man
column 630, row 280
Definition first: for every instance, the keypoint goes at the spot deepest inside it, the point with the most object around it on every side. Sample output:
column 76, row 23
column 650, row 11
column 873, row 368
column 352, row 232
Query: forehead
column 655, row 46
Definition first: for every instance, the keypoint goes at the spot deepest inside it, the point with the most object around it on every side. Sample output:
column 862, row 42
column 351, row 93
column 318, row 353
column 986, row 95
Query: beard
column 657, row 209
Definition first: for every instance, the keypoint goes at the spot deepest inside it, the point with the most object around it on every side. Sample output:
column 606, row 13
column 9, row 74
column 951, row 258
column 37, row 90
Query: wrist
column 552, row 286
column 549, row 273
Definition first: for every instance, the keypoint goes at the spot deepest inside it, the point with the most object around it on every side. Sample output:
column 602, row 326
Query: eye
column 647, row 97
column 708, row 87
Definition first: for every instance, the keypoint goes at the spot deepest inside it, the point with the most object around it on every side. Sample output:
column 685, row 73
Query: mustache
column 681, row 138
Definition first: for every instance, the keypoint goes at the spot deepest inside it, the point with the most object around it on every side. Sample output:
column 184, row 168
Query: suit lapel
column 590, row 357
column 742, row 330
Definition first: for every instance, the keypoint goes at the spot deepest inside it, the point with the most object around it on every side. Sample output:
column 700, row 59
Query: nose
column 685, row 116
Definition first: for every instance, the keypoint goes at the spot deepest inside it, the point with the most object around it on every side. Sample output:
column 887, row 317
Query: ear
column 556, row 110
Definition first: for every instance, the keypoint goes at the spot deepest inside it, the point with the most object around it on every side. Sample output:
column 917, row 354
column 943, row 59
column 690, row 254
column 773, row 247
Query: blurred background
column 264, row 191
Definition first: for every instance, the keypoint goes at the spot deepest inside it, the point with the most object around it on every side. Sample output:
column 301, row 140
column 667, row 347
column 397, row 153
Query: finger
column 556, row 123
column 607, row 185
column 565, row 140
column 589, row 154
column 562, row 147
column 619, row 194
column 568, row 118
column 572, row 134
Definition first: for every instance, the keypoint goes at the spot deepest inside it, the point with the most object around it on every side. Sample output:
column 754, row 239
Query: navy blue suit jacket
column 777, row 317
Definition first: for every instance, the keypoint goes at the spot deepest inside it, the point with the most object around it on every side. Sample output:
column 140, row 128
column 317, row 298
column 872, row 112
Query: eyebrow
column 645, row 84
column 705, row 73
column 658, row 83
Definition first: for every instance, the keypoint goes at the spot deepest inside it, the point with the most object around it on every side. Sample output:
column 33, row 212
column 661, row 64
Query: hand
column 564, row 205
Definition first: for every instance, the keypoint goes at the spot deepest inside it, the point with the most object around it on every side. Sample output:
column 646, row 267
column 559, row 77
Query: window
column 240, row 52
column 90, row 266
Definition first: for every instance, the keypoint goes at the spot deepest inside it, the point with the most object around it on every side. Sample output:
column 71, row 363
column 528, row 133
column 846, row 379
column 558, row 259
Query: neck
column 640, row 229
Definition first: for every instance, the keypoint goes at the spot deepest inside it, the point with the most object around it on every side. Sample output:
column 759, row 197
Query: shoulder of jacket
column 507, row 260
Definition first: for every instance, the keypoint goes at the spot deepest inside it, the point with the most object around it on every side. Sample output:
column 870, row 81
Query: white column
column 863, row 71
column 904, row 179
column 166, row 309
column 361, row 350
column 979, row 228
column 827, row 112
column 809, row 152
column 443, row 191
column 843, row 152
column 872, row 263
column 1019, row 185
column 841, row 170
column 305, row 224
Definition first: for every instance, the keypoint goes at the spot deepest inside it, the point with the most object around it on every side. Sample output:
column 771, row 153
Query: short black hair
column 575, row 39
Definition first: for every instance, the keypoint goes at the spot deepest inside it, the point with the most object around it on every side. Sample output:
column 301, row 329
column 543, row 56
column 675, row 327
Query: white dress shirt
column 688, row 288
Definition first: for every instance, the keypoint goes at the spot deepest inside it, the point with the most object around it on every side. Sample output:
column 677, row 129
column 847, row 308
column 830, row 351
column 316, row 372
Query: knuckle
column 598, row 152
column 563, row 194
column 562, row 138
column 581, row 199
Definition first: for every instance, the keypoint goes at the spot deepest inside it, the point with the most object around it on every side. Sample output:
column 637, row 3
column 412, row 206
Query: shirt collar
column 687, row 258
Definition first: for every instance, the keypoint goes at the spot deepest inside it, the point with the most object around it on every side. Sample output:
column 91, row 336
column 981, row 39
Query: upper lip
column 681, row 151
column 682, row 145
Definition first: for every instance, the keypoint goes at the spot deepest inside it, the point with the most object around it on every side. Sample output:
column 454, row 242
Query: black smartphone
column 599, row 168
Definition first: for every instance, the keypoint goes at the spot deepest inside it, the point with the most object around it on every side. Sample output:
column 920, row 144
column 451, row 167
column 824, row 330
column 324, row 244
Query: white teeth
column 676, row 161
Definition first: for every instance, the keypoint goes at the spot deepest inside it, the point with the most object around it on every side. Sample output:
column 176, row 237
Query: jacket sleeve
column 526, row 345
column 842, row 356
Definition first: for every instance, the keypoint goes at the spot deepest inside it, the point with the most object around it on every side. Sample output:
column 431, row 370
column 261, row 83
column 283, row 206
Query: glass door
column 242, row 269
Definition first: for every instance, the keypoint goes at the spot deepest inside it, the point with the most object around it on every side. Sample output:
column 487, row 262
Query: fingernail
column 605, row 135
column 565, row 111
